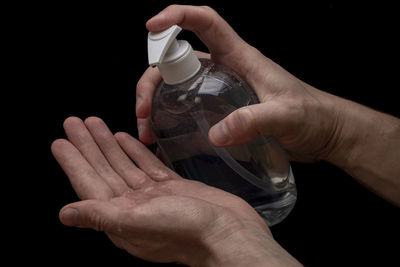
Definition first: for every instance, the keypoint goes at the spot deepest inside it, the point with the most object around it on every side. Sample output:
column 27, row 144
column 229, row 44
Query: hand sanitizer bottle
column 194, row 95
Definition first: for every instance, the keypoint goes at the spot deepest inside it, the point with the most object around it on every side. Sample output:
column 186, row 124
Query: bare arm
column 368, row 148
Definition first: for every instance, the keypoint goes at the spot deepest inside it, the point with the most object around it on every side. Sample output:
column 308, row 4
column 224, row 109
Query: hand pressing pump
column 193, row 96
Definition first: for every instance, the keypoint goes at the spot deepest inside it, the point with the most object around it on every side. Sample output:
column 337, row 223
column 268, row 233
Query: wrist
column 245, row 245
column 335, row 138
column 366, row 145
column 357, row 129
column 346, row 128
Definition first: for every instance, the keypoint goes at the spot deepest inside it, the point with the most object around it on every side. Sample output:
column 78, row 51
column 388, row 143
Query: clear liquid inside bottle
column 257, row 171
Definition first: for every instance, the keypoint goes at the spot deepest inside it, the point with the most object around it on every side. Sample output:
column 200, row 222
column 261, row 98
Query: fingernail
column 159, row 15
column 70, row 217
column 219, row 134
column 140, row 128
column 138, row 101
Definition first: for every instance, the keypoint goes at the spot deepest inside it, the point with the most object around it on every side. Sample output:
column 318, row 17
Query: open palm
column 143, row 206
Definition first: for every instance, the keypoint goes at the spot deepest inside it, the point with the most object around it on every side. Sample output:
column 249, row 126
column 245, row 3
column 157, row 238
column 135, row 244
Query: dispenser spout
column 175, row 59
column 159, row 43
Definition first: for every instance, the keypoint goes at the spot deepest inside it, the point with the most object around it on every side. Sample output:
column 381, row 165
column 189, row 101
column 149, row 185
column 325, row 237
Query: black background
column 85, row 59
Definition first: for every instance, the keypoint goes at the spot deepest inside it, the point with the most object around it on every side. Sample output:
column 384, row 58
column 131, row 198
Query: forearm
column 367, row 146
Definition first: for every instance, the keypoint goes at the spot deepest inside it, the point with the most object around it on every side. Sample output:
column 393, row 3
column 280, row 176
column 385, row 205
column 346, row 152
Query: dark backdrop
column 85, row 59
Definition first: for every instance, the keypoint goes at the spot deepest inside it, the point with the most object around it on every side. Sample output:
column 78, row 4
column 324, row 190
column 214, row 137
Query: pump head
column 175, row 59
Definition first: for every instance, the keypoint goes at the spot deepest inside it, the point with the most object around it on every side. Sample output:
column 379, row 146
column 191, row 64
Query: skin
column 310, row 124
column 151, row 212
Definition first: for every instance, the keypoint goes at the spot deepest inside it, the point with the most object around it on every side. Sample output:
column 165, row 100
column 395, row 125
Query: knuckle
column 171, row 7
column 241, row 119
column 208, row 9
column 170, row 185
column 140, row 180
column 211, row 15
column 97, row 222
column 148, row 82
column 161, row 173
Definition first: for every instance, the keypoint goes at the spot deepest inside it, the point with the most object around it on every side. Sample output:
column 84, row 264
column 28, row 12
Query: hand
column 150, row 211
column 298, row 115
column 310, row 124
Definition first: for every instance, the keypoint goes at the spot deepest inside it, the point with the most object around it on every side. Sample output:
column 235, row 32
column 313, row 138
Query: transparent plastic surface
column 258, row 171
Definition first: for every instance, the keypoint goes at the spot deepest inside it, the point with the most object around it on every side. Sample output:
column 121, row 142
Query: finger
column 248, row 122
column 80, row 136
column 144, row 91
column 146, row 135
column 144, row 158
column 225, row 45
column 144, row 96
column 95, row 214
column 200, row 54
column 214, row 31
column 84, row 179
column 117, row 158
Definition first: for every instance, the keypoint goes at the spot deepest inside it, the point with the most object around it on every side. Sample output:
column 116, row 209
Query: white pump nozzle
column 175, row 59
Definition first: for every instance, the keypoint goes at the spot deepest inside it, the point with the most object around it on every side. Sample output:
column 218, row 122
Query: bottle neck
column 181, row 69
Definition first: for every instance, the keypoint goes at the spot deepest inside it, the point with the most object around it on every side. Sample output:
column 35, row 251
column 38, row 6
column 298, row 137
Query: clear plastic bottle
column 183, row 112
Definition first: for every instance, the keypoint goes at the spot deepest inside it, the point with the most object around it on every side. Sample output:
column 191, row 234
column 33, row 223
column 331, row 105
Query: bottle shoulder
column 212, row 83
column 214, row 92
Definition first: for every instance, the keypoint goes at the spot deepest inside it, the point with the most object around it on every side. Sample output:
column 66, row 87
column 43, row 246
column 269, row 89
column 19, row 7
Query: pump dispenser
column 194, row 95
column 175, row 59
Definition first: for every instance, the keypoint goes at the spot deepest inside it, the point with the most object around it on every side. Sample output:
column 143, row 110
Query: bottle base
column 275, row 212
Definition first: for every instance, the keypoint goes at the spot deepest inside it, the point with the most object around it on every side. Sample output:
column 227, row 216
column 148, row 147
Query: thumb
column 246, row 123
column 95, row 214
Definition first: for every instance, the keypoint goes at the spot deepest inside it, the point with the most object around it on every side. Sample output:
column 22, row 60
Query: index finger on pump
column 209, row 26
